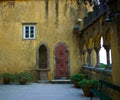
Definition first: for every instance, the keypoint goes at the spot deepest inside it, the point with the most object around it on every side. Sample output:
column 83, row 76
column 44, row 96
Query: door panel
column 61, row 61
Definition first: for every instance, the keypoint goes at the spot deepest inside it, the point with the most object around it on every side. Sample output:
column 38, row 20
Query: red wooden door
column 61, row 62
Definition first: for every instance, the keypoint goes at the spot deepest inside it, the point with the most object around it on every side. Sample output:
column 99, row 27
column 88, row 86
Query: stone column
column 90, row 57
column 84, row 59
column 97, row 49
column 107, row 48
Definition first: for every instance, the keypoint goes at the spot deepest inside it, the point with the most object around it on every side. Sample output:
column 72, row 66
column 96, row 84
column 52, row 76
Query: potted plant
column 23, row 77
column 86, row 85
column 7, row 78
column 76, row 78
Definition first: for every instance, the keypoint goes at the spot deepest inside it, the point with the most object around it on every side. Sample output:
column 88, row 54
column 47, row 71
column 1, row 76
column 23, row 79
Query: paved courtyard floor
column 39, row 91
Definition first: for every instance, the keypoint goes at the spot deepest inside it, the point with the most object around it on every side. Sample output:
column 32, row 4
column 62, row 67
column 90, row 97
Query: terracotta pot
column 87, row 92
column 6, row 80
column 22, row 81
column 76, row 84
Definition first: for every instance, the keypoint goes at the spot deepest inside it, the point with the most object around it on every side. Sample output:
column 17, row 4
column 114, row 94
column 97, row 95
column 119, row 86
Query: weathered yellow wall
column 17, row 54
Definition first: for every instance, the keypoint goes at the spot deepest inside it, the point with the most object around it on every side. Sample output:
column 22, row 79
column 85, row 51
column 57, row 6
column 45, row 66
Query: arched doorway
column 42, row 62
column 62, row 62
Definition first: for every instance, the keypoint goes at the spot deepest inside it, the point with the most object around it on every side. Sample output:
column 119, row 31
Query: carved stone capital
column 97, row 49
column 84, row 52
column 107, row 47
column 89, row 50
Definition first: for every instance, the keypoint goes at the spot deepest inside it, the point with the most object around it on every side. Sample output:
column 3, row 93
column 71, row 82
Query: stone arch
column 42, row 66
column 45, row 47
column 57, row 60
column 90, row 43
column 108, row 37
column 97, row 40
column 91, row 52
column 107, row 44
column 85, row 39
column 83, row 44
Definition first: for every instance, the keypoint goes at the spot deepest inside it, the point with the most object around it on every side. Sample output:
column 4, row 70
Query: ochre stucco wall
column 17, row 54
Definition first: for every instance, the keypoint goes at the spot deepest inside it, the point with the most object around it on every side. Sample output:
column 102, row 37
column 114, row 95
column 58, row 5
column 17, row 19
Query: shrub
column 7, row 77
column 86, row 85
column 23, row 77
column 76, row 78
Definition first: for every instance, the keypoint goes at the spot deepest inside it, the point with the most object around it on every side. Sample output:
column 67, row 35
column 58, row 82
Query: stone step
column 60, row 81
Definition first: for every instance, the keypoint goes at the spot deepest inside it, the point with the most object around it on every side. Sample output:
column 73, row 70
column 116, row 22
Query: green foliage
column 102, row 65
column 78, row 77
column 24, row 75
column 88, row 83
column 7, row 78
column 7, row 75
column 17, row 77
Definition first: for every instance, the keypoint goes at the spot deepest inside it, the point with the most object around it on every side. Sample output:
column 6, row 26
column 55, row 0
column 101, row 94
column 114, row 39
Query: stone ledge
column 43, row 81
column 60, row 81
column 42, row 69
column 99, row 70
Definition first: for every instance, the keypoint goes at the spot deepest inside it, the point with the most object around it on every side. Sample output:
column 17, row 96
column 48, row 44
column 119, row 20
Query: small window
column 29, row 31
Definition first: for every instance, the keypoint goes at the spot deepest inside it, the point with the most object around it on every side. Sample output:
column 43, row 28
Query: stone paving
column 40, row 91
